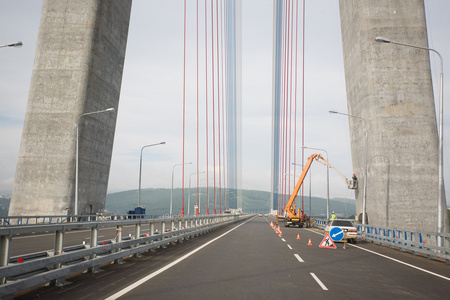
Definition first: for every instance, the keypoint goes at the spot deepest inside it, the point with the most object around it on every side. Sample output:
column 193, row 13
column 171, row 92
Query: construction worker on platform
column 333, row 216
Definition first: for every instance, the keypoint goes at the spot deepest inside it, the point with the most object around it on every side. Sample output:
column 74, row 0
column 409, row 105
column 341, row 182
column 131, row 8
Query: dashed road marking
column 319, row 282
column 298, row 258
column 289, row 246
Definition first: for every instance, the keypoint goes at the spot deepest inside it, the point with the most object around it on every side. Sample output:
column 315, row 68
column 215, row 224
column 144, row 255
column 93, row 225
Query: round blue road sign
column 336, row 234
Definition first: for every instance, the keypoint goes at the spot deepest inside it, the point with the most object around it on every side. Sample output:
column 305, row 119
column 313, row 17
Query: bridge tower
column 77, row 69
column 389, row 90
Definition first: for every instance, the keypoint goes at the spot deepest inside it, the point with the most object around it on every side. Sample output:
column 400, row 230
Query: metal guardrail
column 423, row 242
column 34, row 270
column 58, row 219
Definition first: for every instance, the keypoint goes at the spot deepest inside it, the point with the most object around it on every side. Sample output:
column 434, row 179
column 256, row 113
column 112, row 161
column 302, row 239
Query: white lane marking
column 394, row 259
column 150, row 276
column 319, row 282
column 283, row 240
column 289, row 246
column 403, row 263
column 298, row 258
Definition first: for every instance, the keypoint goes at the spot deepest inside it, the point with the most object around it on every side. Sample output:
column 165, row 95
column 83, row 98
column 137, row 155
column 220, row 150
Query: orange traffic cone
column 271, row 224
column 281, row 233
column 309, row 243
column 298, row 236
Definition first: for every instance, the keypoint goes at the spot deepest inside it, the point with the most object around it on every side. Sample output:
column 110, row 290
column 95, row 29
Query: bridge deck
column 252, row 261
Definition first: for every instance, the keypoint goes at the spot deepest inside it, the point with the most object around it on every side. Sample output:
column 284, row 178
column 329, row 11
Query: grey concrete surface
column 390, row 88
column 77, row 69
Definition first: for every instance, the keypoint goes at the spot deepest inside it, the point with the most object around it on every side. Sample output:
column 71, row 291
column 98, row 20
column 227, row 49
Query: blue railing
column 428, row 243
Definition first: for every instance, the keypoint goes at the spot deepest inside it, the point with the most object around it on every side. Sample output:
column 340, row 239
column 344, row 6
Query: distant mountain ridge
column 157, row 202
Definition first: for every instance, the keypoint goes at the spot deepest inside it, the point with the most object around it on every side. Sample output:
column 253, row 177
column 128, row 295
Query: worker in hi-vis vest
column 333, row 216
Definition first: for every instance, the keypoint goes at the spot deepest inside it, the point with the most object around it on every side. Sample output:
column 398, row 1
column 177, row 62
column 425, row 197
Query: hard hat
column 333, row 212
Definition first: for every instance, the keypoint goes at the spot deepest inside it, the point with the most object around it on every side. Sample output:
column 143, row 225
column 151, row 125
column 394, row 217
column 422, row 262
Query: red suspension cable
column 198, row 156
column 295, row 81
column 218, row 103
column 303, row 91
column 213, row 100
column 184, row 106
column 206, row 114
column 222, row 18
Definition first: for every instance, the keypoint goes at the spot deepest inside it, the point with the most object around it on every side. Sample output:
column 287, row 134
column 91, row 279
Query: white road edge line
column 150, row 276
column 299, row 258
column 396, row 260
column 403, row 263
column 319, row 282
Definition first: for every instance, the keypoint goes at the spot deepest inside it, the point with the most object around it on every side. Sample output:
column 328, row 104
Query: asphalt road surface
column 249, row 260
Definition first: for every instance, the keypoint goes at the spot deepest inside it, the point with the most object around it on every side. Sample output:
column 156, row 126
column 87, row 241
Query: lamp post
column 328, row 179
column 140, row 170
column 77, row 150
column 365, row 160
column 15, row 45
column 189, row 195
column 441, row 202
column 171, row 191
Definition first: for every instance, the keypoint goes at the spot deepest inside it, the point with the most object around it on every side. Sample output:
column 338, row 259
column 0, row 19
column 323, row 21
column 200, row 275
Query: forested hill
column 157, row 202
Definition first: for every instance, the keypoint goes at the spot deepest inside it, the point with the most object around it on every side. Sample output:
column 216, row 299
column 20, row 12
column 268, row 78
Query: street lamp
column 77, row 150
column 441, row 203
column 15, row 45
column 365, row 160
column 171, row 191
column 140, row 170
column 189, row 195
column 328, row 179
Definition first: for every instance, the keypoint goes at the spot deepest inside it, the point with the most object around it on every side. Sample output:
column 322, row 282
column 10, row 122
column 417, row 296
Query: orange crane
column 291, row 216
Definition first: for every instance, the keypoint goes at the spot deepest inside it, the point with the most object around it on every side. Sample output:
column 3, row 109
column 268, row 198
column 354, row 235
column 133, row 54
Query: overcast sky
column 151, row 96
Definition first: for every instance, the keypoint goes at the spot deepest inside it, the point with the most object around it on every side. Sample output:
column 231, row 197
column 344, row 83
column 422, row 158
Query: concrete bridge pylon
column 77, row 69
column 389, row 89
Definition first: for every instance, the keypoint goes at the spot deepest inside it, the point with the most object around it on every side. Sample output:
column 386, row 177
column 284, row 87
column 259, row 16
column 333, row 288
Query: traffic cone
column 309, row 243
column 271, row 224
column 298, row 236
column 281, row 233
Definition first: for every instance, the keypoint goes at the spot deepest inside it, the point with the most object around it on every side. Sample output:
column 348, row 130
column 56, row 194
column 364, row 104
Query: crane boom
column 291, row 216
